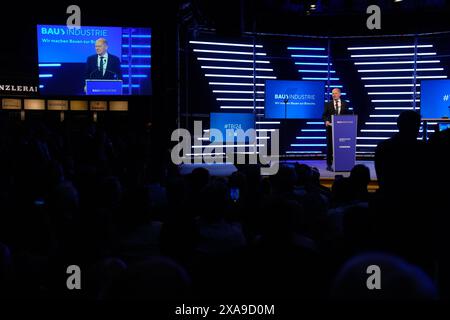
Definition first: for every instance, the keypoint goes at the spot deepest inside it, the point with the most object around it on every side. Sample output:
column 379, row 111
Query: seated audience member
column 398, row 280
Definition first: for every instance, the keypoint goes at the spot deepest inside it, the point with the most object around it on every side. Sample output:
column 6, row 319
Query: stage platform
column 326, row 177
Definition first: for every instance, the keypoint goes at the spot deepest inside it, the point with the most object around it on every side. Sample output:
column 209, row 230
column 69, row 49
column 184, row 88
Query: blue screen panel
column 444, row 126
column 67, row 58
column 435, row 98
column 304, row 99
column 61, row 44
column 235, row 121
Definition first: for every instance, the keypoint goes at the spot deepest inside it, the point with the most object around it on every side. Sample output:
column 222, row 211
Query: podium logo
column 445, row 97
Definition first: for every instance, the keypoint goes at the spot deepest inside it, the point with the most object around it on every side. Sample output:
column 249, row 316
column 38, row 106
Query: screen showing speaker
column 94, row 60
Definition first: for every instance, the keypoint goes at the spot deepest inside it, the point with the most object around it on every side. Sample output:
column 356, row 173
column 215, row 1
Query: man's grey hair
column 103, row 40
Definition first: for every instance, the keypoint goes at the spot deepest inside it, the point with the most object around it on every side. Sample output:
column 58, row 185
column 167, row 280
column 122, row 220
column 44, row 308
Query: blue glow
column 313, row 138
column 314, row 122
column 307, row 56
column 313, row 130
column 137, row 36
column 136, row 46
column 303, row 151
column 45, row 76
column 324, row 79
column 136, row 66
column 138, row 56
column 317, row 71
column 135, row 76
column 342, row 94
column 312, row 63
column 306, row 48
column 49, row 64
column 308, row 145
column 134, row 85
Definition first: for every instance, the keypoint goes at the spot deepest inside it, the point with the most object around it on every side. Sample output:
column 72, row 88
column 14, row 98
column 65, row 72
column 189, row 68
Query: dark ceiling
column 333, row 17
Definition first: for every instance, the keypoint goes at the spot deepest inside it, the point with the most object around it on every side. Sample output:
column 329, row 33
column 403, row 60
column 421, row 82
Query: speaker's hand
column 327, row 123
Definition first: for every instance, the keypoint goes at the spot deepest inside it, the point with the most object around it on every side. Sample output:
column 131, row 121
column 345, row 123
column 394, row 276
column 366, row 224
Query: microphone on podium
column 286, row 100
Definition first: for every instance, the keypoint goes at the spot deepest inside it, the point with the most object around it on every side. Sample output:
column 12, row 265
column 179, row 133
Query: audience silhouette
column 92, row 196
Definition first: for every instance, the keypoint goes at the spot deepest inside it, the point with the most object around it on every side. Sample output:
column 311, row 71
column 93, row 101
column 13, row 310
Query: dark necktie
column 101, row 65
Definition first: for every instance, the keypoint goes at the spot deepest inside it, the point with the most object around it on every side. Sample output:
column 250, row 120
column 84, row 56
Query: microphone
column 90, row 74
column 286, row 100
column 113, row 73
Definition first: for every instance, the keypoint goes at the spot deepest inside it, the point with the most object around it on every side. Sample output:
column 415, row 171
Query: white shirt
column 105, row 62
column 337, row 106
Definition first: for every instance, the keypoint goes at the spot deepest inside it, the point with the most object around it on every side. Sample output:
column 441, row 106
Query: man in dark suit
column 103, row 65
column 335, row 107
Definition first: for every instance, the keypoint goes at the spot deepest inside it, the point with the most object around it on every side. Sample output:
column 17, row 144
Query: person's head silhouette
column 408, row 123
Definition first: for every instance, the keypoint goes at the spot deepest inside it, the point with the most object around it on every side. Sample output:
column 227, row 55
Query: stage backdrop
column 378, row 77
